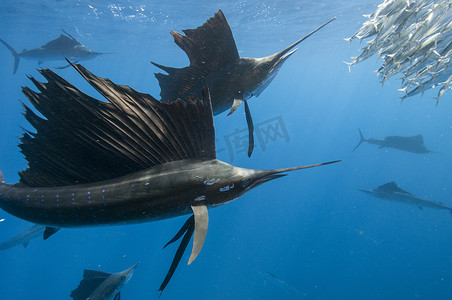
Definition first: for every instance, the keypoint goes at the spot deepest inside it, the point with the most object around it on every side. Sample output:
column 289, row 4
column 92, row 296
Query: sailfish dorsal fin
column 418, row 139
column 61, row 43
column 90, row 282
column 392, row 187
column 210, row 48
column 84, row 140
column 412, row 140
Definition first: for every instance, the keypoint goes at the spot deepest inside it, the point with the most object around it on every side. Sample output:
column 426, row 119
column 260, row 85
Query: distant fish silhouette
column 414, row 144
column 25, row 237
column 97, row 285
column 65, row 46
column 390, row 191
column 215, row 62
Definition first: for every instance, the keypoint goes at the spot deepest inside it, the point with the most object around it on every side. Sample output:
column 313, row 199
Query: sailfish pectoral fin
column 235, row 105
column 188, row 229
column 249, row 121
column 201, row 224
column 182, row 230
column 197, row 223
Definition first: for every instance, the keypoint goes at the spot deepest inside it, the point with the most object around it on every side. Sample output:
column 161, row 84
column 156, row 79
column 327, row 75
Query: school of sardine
column 414, row 39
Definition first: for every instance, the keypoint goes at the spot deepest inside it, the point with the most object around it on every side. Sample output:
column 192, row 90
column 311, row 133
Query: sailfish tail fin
column 14, row 53
column 362, row 139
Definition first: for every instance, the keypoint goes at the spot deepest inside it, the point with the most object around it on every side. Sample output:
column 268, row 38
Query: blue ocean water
column 311, row 229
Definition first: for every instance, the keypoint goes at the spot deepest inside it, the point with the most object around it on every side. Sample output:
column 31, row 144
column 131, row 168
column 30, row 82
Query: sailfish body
column 165, row 191
column 215, row 61
column 65, row 46
column 413, row 144
column 391, row 191
column 24, row 237
column 128, row 160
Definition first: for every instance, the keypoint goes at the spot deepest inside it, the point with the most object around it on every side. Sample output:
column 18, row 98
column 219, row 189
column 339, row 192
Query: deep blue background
column 311, row 228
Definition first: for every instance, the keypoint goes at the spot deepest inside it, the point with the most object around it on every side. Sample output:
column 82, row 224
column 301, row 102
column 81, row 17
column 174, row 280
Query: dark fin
column 25, row 244
column 415, row 140
column 14, row 53
column 49, row 231
column 118, row 296
column 420, row 207
column 362, row 139
column 392, row 187
column 418, row 139
column 61, row 44
column 83, row 140
column 180, row 251
column 2, row 179
column 91, row 281
column 93, row 274
column 249, row 121
column 408, row 143
column 182, row 230
column 210, row 47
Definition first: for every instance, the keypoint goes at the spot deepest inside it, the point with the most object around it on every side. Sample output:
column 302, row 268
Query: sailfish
column 65, row 46
column 129, row 159
column 215, row 61
column 98, row 285
column 413, row 144
column 24, row 237
column 391, row 191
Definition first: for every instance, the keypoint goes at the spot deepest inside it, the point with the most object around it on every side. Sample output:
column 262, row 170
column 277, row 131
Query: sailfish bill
column 129, row 159
column 215, row 61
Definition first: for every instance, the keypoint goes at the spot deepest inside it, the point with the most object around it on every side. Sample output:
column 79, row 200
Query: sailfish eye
column 245, row 182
